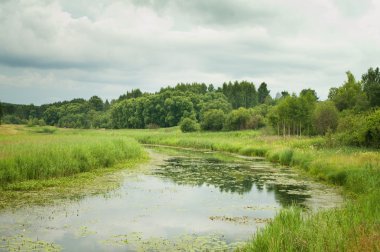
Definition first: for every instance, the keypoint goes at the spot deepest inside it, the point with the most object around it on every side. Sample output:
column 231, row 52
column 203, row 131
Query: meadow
column 30, row 156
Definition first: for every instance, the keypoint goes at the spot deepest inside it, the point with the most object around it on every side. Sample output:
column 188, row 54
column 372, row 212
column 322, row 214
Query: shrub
column 213, row 119
column 372, row 130
column 238, row 119
column 360, row 130
column 189, row 125
column 12, row 119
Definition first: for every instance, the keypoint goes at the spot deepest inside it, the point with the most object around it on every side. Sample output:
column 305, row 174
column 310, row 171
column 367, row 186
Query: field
column 41, row 158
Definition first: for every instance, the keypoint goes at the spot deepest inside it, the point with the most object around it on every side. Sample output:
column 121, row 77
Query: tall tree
column 262, row 92
column 284, row 94
column 1, row 112
column 135, row 93
column 325, row 117
column 371, row 86
column 210, row 88
column 240, row 94
column 309, row 93
column 349, row 96
column 96, row 103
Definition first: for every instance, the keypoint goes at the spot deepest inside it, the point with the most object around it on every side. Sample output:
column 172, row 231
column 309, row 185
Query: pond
column 182, row 200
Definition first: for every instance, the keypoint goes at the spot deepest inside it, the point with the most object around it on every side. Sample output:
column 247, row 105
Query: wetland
column 179, row 200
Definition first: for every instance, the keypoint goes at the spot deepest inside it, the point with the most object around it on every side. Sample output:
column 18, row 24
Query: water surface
column 182, row 200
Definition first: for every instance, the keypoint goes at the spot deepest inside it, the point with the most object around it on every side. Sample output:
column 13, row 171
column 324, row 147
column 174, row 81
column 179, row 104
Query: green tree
column 177, row 107
column 310, row 94
column 372, row 130
column 214, row 101
column 210, row 88
column 134, row 93
column 96, row 103
column 240, row 94
column 307, row 102
column 51, row 115
column 1, row 112
column 349, row 96
column 213, row 119
column 284, row 94
column 262, row 93
column 325, row 117
column 371, row 86
column 238, row 119
column 106, row 105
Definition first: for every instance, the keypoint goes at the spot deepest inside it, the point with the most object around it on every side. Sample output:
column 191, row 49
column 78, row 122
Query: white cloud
column 107, row 47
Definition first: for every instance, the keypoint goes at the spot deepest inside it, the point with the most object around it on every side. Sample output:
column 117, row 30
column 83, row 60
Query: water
column 182, row 200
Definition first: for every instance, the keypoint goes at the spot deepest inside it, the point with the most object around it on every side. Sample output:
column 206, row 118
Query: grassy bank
column 355, row 227
column 37, row 154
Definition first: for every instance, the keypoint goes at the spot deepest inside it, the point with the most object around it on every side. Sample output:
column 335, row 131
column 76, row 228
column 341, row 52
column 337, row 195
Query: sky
column 54, row 50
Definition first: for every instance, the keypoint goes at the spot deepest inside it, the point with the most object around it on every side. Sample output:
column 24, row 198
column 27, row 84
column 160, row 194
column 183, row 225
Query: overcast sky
column 58, row 50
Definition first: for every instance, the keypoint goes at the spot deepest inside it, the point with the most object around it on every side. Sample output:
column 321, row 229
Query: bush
column 213, row 119
column 372, row 130
column 35, row 122
column 189, row 125
column 360, row 130
column 12, row 119
column 238, row 119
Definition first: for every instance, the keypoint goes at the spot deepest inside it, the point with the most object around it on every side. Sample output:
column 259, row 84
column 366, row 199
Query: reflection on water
column 188, row 200
column 236, row 177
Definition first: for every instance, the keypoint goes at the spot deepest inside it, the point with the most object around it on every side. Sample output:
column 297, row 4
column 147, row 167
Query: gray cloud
column 65, row 49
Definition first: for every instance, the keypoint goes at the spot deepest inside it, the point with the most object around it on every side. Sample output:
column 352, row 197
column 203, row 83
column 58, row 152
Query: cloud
column 107, row 47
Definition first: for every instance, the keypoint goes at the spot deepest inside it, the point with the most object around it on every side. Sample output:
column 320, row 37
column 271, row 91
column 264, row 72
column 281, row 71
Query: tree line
column 233, row 106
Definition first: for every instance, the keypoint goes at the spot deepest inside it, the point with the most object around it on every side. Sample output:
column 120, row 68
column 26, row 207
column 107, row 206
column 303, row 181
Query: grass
column 60, row 163
column 32, row 157
column 352, row 228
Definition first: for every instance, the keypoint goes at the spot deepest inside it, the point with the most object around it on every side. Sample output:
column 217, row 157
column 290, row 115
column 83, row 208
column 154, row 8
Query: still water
column 182, row 200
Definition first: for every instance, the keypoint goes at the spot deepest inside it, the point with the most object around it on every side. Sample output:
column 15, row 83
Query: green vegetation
column 213, row 119
column 352, row 228
column 233, row 106
column 189, row 125
column 325, row 117
column 42, row 153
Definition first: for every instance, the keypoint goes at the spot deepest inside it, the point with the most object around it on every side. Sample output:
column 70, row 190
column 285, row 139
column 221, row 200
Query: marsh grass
column 33, row 156
column 356, row 227
column 54, row 190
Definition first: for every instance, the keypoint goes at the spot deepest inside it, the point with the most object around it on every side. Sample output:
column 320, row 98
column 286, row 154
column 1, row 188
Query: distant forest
column 351, row 113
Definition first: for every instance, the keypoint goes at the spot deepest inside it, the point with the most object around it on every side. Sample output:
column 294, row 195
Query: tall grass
column 352, row 228
column 35, row 156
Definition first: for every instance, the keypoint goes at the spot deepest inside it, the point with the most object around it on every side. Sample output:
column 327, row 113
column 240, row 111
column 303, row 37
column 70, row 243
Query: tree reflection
column 232, row 177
